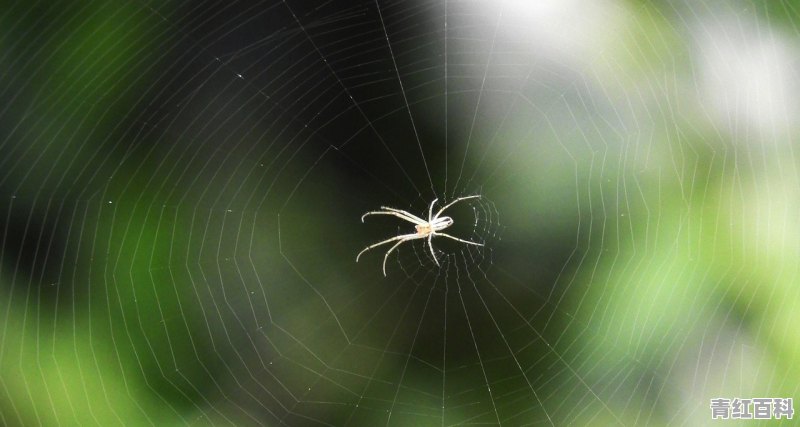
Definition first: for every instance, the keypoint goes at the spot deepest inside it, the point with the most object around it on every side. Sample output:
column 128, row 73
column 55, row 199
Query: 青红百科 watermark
column 754, row 408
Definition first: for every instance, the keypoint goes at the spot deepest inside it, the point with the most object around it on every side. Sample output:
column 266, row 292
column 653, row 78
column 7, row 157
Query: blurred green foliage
column 703, row 250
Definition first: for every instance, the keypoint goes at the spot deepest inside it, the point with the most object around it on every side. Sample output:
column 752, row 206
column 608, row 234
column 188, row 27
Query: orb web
column 184, row 184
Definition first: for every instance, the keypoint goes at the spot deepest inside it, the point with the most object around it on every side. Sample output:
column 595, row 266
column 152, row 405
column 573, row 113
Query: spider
column 425, row 229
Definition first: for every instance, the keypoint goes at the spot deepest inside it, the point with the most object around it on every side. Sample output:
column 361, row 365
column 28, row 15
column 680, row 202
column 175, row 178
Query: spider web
column 184, row 182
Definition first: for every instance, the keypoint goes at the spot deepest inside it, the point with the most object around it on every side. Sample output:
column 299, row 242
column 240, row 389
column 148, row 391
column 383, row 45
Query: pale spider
column 425, row 229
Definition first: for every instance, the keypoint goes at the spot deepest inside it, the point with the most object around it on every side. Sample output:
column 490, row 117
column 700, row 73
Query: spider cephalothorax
column 425, row 229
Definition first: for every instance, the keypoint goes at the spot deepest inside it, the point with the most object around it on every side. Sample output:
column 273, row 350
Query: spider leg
column 385, row 257
column 430, row 210
column 457, row 239
column 430, row 245
column 400, row 237
column 400, row 215
column 454, row 202
column 400, row 211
